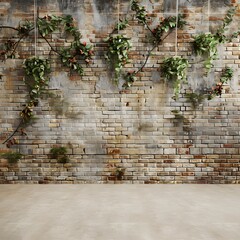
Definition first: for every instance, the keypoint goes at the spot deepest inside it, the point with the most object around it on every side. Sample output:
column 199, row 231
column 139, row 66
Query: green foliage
column 123, row 24
column 37, row 71
column 205, row 44
column 226, row 76
column 25, row 28
column 129, row 78
column 56, row 151
column 12, row 157
column 48, row 24
column 167, row 24
column 72, row 56
column 164, row 28
column 195, row 99
column 63, row 159
column 140, row 11
column 119, row 172
column 59, row 153
column 117, row 54
column 174, row 69
column 51, row 23
column 7, row 50
column 226, row 22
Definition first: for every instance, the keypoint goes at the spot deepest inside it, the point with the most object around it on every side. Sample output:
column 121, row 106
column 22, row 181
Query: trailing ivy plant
column 36, row 79
column 78, row 51
column 140, row 12
column 72, row 57
column 205, row 44
column 117, row 54
column 174, row 69
column 25, row 27
column 37, row 69
column 8, row 49
column 123, row 24
column 167, row 24
column 226, row 77
column 159, row 34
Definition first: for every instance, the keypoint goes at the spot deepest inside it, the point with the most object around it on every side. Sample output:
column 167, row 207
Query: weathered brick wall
column 135, row 129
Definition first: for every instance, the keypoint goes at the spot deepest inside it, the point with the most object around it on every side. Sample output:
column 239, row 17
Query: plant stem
column 16, row 45
column 13, row 133
column 150, row 51
column 52, row 49
column 9, row 27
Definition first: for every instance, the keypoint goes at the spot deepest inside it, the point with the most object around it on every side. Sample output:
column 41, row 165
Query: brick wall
column 101, row 125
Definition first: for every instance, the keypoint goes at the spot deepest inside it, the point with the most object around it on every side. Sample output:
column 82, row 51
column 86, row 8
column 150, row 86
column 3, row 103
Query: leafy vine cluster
column 119, row 45
column 78, row 53
column 37, row 69
column 173, row 68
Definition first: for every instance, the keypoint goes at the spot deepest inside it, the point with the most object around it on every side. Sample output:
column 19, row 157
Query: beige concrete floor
column 119, row 212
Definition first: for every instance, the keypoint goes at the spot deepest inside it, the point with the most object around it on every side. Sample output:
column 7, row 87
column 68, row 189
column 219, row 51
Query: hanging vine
column 77, row 53
column 37, row 69
column 159, row 34
column 205, row 44
column 174, row 69
column 117, row 54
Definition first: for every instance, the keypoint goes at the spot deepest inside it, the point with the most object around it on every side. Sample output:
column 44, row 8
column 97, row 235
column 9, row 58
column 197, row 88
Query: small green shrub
column 59, row 153
column 63, row 159
column 119, row 172
column 12, row 157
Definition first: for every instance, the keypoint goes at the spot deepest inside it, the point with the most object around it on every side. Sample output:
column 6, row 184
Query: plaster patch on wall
column 105, row 84
column 68, row 5
column 234, row 84
column 170, row 6
column 102, row 13
column 61, row 104
column 156, row 76
column 5, row 17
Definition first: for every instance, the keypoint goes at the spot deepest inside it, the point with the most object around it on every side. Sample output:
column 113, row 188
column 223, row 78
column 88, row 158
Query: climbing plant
column 37, row 69
column 196, row 98
column 76, row 53
column 37, row 81
column 226, row 77
column 205, row 44
column 174, row 69
column 159, row 34
column 117, row 54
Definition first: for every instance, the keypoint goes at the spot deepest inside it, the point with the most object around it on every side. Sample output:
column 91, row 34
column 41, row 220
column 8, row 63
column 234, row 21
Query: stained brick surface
column 102, row 124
